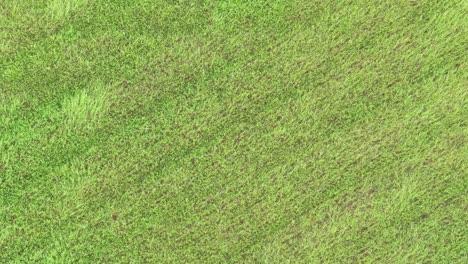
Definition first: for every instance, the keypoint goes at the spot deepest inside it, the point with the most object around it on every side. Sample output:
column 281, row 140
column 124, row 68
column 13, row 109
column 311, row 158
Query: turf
column 266, row 131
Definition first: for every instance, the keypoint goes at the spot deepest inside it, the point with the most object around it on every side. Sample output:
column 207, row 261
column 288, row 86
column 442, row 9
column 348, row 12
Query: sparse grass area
column 295, row 131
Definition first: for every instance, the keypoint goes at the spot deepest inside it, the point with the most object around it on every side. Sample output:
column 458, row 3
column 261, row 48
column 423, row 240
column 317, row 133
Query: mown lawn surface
column 234, row 131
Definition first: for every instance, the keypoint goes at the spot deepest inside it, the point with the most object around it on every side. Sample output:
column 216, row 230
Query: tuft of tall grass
column 60, row 9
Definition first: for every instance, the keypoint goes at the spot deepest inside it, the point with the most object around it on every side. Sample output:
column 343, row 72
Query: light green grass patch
column 60, row 9
column 85, row 108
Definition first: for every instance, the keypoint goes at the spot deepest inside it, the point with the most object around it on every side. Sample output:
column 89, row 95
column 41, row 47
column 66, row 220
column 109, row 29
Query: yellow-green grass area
column 233, row 131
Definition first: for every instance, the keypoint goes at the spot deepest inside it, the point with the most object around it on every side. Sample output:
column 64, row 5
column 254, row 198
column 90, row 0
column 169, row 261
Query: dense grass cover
column 266, row 131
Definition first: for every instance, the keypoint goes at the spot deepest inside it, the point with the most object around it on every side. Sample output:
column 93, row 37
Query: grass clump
column 86, row 108
column 60, row 9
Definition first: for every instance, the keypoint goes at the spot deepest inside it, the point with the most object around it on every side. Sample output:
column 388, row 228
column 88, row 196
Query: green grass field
column 233, row 131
